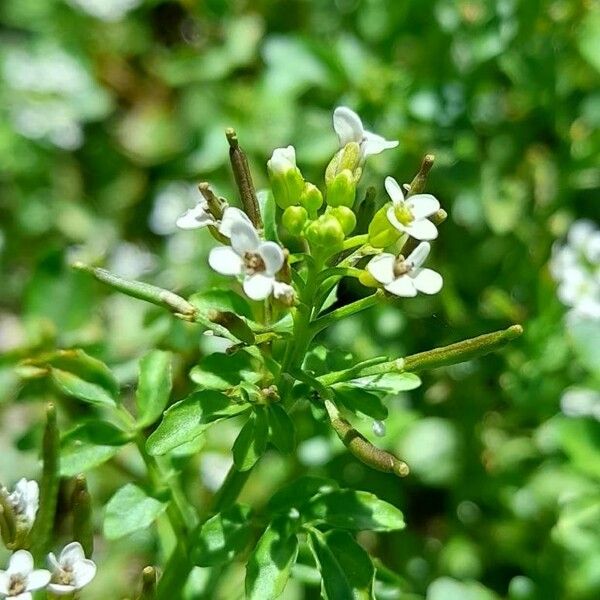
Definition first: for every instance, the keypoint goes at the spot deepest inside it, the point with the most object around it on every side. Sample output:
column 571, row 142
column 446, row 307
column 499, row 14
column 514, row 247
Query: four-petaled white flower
column 200, row 216
column 71, row 571
column 349, row 128
column 24, row 500
column 410, row 215
column 257, row 261
column 405, row 277
column 20, row 579
column 282, row 160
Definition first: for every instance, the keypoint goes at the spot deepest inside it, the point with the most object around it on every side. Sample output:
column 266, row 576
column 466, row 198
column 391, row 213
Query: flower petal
column 59, row 589
column 272, row 254
column 382, row 267
column 419, row 255
column 403, row 286
column 392, row 187
column 195, row 218
column 71, row 554
column 283, row 291
column 347, row 125
column 244, row 238
column 20, row 562
column 375, row 144
column 258, row 286
column 282, row 159
column 52, row 562
column 422, row 229
column 423, row 205
column 232, row 215
column 225, row 261
column 38, row 579
column 83, row 572
column 427, row 281
column 4, row 581
column 393, row 219
column 23, row 596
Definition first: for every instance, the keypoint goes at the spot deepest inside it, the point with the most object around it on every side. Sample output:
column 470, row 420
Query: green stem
column 345, row 311
column 357, row 240
column 230, row 489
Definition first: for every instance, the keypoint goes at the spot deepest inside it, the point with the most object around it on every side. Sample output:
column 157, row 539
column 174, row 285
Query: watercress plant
column 287, row 249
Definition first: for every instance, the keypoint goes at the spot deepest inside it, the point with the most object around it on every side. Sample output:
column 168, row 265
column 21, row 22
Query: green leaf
column 269, row 567
column 251, row 442
column 300, row 491
column 98, row 432
column 220, row 371
column 346, row 568
column 221, row 301
column 281, row 429
column 357, row 399
column 349, row 509
column 222, row 537
column 129, row 510
column 189, row 418
column 89, row 445
column 388, row 383
column 268, row 211
column 580, row 440
column 80, row 375
column 588, row 38
column 154, row 386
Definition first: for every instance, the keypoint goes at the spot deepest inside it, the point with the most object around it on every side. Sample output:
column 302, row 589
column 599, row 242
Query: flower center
column 16, row 585
column 401, row 266
column 253, row 263
column 64, row 576
column 403, row 213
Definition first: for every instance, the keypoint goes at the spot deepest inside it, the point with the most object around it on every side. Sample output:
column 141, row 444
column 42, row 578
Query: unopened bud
column 294, row 218
column 311, row 198
column 348, row 158
column 345, row 216
column 325, row 233
column 342, row 189
column 287, row 182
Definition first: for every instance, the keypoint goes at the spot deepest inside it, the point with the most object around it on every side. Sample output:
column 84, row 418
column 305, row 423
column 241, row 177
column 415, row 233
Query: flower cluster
column 324, row 220
column 67, row 574
column 575, row 266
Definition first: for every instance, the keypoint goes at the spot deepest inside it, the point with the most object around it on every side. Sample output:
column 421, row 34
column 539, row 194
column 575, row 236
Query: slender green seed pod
column 81, row 508
column 148, row 584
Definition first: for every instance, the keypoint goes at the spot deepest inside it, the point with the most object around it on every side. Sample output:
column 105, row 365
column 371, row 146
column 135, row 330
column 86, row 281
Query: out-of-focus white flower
column 24, row 500
column 257, row 261
column 575, row 266
column 282, row 160
column 71, row 571
column 581, row 402
column 349, row 128
column 405, row 277
column 213, row 469
column 131, row 261
column 106, row 10
column 284, row 293
column 410, row 216
column 20, row 578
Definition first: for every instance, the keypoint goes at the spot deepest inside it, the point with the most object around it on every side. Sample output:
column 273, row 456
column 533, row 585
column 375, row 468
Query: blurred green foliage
column 112, row 110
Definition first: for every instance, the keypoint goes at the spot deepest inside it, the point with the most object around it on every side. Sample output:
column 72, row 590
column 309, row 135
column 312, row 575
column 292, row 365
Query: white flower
column 255, row 260
column 405, row 277
column 20, row 579
column 71, row 571
column 284, row 293
column 349, row 128
column 282, row 160
column 24, row 500
column 581, row 402
column 576, row 268
column 410, row 216
column 196, row 217
column 230, row 215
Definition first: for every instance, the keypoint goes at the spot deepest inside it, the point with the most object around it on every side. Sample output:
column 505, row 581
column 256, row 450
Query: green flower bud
column 381, row 231
column 341, row 190
column 311, row 198
column 325, row 233
column 348, row 158
column 286, row 179
column 345, row 216
column 294, row 218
